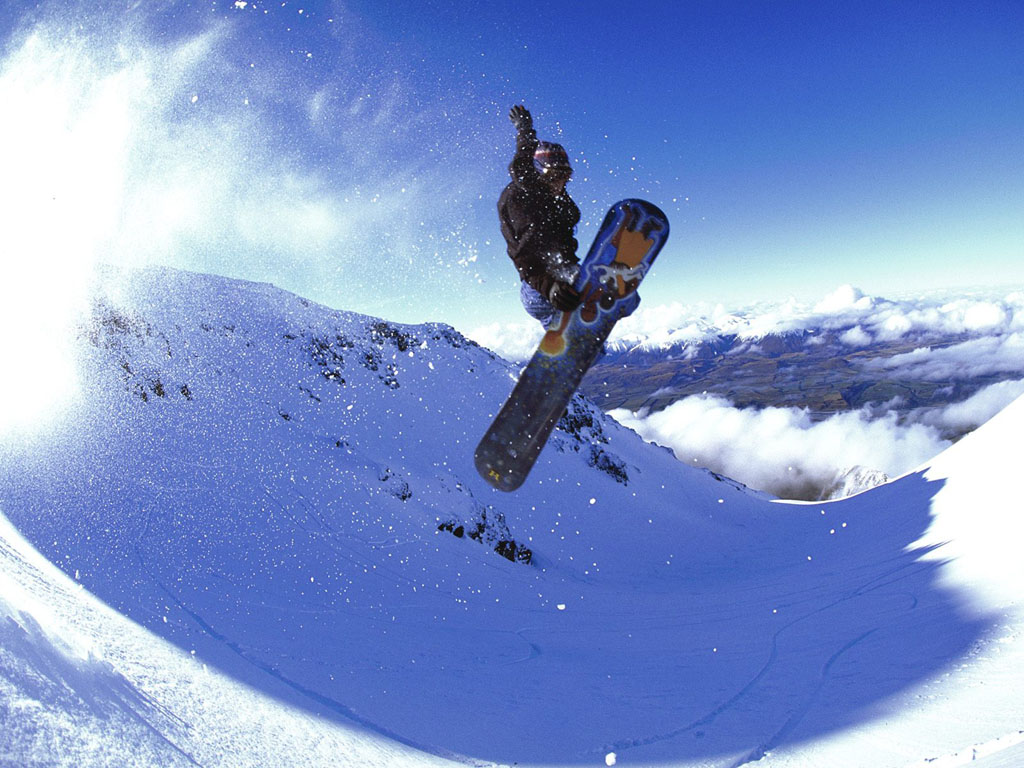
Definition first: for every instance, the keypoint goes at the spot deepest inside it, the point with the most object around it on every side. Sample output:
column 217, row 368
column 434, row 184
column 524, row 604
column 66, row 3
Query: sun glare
column 63, row 146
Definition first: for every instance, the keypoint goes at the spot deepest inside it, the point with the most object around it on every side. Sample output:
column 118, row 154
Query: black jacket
column 535, row 221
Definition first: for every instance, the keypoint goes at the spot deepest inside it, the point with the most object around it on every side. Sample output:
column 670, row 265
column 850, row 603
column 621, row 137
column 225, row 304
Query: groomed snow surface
column 228, row 551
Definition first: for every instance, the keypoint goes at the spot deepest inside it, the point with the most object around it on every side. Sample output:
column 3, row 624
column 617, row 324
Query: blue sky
column 353, row 151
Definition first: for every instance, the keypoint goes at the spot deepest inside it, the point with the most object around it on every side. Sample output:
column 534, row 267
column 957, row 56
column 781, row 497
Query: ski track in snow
column 312, row 695
column 787, row 728
column 761, row 751
column 278, row 520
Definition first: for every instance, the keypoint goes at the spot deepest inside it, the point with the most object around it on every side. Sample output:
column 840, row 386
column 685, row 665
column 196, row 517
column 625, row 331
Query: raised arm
column 522, row 166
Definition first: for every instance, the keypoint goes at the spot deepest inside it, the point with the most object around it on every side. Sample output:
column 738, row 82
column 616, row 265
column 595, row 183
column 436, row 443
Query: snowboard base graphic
column 628, row 241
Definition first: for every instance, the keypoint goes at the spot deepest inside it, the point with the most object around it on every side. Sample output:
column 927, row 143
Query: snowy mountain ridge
column 340, row 357
column 857, row 319
column 855, row 480
column 255, row 503
column 847, row 318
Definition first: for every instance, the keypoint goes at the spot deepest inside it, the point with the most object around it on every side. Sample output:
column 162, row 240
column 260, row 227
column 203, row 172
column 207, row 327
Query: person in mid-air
column 538, row 220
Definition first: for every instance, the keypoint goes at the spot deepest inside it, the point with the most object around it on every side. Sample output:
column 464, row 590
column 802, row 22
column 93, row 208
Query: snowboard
column 625, row 246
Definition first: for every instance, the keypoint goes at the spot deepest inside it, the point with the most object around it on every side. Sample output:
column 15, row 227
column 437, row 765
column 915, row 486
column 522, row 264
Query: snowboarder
column 538, row 220
column 625, row 246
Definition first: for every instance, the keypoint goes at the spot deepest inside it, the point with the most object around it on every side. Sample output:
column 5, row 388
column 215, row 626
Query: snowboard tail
column 626, row 244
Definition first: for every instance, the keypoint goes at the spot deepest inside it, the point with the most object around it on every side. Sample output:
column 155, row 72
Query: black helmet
column 551, row 158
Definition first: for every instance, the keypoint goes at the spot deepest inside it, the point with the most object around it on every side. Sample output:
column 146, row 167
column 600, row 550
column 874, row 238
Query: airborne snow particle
column 610, row 758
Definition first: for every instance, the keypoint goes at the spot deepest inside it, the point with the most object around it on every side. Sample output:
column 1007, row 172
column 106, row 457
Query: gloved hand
column 520, row 117
column 564, row 297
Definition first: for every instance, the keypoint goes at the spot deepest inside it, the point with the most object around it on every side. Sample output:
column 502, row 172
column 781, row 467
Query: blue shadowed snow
column 261, row 481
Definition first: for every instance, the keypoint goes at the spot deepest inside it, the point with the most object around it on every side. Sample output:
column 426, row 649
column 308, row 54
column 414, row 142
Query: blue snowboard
column 625, row 246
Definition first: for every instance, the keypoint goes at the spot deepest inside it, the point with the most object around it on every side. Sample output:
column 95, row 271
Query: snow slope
column 254, row 502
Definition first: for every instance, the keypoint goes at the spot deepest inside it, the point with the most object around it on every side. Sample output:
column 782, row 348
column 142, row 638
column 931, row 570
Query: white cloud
column 846, row 298
column 894, row 326
column 984, row 316
column 977, row 409
column 515, row 342
column 668, row 324
column 970, row 359
column 855, row 337
column 782, row 450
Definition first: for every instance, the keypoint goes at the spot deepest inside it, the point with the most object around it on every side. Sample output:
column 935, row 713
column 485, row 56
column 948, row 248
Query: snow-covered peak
column 853, row 481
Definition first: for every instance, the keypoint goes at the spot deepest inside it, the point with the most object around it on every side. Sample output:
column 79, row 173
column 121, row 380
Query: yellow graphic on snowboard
column 617, row 280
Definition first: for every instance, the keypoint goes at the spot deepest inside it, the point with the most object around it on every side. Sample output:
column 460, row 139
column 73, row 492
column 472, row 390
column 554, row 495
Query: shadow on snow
column 813, row 618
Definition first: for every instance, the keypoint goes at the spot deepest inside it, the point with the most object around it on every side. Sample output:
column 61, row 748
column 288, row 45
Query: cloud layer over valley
column 786, row 452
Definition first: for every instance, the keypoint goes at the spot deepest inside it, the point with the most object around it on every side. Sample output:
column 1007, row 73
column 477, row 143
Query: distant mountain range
column 804, row 369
